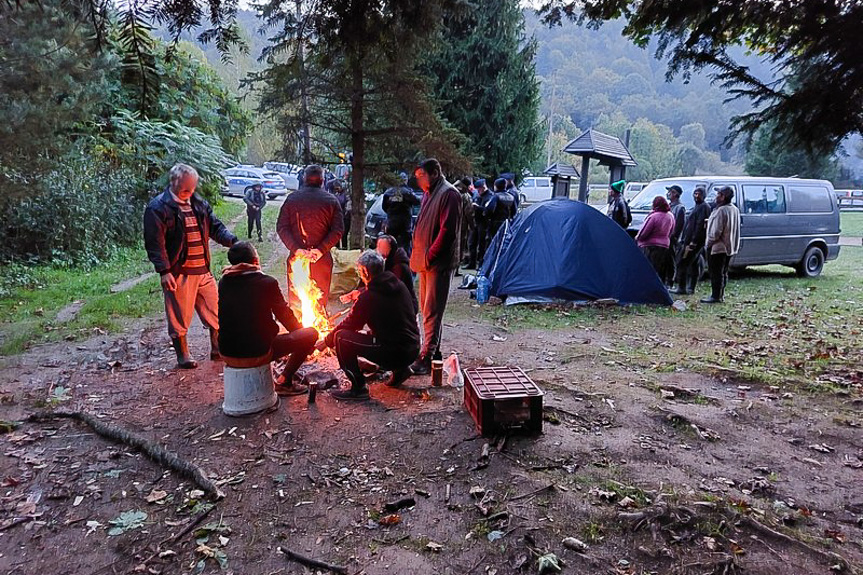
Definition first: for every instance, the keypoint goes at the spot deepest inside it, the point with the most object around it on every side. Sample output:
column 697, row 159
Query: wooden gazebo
column 609, row 150
column 561, row 178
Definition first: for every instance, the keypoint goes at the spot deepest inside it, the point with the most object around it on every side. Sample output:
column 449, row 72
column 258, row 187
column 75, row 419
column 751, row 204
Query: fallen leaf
column 156, row 495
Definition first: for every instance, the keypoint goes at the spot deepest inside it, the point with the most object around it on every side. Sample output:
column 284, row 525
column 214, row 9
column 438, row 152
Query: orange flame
column 312, row 313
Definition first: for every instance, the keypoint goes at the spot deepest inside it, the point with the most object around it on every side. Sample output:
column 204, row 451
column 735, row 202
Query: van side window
column 711, row 195
column 763, row 199
column 807, row 199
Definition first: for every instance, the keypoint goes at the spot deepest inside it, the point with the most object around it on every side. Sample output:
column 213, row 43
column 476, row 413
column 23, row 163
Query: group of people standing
column 673, row 238
column 485, row 212
column 241, row 313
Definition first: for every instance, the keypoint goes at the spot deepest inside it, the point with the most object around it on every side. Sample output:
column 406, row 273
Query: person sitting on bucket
column 248, row 301
column 393, row 342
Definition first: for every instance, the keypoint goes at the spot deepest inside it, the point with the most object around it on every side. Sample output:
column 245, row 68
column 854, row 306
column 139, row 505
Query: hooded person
column 618, row 209
column 392, row 341
column 250, row 302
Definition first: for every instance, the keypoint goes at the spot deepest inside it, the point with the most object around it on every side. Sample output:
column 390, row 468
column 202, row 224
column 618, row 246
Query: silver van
column 787, row 221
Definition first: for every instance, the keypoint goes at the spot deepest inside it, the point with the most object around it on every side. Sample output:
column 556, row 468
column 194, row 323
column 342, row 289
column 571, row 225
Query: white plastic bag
column 452, row 371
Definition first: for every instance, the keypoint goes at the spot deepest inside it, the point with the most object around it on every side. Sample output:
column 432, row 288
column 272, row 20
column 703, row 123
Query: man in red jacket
column 310, row 223
column 435, row 255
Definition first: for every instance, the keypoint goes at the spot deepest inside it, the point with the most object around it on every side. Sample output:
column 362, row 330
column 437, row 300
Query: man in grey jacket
column 723, row 241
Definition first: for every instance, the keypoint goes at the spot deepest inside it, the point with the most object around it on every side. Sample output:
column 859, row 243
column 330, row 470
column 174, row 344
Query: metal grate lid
column 501, row 383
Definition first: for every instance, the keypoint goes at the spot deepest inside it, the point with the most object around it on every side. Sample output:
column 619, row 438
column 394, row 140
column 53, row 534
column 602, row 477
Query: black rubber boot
column 215, row 354
column 184, row 359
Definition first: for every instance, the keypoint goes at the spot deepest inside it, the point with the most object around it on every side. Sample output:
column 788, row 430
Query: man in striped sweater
column 178, row 225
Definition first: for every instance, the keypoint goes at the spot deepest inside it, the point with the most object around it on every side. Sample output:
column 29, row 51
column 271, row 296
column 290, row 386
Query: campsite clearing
column 673, row 443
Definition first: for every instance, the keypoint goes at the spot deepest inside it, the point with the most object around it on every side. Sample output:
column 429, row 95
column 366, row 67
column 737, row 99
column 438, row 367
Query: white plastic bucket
column 248, row 390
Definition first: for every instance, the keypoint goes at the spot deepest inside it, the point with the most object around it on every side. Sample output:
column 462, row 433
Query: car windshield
column 644, row 200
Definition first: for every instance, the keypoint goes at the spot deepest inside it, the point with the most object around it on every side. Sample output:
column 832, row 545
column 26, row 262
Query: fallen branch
column 829, row 556
column 153, row 451
column 532, row 493
column 309, row 562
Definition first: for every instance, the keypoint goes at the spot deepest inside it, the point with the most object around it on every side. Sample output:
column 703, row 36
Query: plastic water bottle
column 482, row 288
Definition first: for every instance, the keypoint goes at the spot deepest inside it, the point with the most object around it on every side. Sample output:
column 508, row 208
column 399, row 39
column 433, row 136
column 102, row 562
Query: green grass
column 851, row 224
column 29, row 310
column 775, row 328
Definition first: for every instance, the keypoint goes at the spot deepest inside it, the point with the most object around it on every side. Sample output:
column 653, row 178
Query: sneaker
column 291, row 389
column 711, row 299
column 678, row 291
column 421, row 366
column 398, row 377
column 351, row 394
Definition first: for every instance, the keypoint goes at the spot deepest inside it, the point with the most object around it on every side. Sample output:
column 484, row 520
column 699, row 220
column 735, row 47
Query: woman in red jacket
column 655, row 235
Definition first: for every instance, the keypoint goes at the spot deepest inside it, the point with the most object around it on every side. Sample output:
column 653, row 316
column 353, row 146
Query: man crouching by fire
column 394, row 340
column 248, row 300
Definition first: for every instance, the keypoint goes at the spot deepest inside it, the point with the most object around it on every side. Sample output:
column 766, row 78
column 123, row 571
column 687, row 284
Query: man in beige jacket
column 723, row 241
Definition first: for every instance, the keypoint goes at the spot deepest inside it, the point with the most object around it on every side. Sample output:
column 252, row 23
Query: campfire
column 311, row 312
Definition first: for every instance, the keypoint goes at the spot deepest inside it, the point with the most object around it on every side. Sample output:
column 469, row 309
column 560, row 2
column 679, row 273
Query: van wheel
column 812, row 263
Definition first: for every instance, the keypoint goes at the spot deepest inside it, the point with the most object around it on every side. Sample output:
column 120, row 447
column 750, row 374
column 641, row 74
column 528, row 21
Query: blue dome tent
column 562, row 249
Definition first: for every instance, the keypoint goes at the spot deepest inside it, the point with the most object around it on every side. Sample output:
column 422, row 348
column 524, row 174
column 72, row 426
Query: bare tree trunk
column 304, row 99
column 358, row 147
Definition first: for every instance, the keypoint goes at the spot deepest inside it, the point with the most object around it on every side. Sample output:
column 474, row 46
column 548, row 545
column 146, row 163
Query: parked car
column 535, row 189
column 786, row 221
column 241, row 178
column 376, row 217
column 288, row 172
column 632, row 189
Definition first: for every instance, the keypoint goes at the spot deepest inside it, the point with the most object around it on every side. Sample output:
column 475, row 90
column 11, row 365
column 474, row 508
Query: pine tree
column 486, row 83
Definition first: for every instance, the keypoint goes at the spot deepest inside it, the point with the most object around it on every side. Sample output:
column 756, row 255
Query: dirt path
column 631, row 476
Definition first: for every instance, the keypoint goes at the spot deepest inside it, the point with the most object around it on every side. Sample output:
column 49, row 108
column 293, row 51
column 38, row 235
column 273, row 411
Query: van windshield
column 644, row 200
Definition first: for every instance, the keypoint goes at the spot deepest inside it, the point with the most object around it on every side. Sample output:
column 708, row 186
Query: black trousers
column 671, row 263
column 254, row 217
column 345, row 242
column 718, row 264
column 687, row 268
column 298, row 343
column 351, row 345
column 434, row 292
column 400, row 229
column 478, row 244
column 658, row 258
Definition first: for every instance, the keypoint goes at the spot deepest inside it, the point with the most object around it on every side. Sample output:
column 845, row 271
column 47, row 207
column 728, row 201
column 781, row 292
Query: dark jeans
column 298, row 343
column 434, row 291
column 658, row 258
column 718, row 274
column 687, row 268
column 254, row 217
column 351, row 345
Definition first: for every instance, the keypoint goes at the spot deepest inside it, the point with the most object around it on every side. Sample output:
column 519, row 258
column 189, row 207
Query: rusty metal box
column 502, row 399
